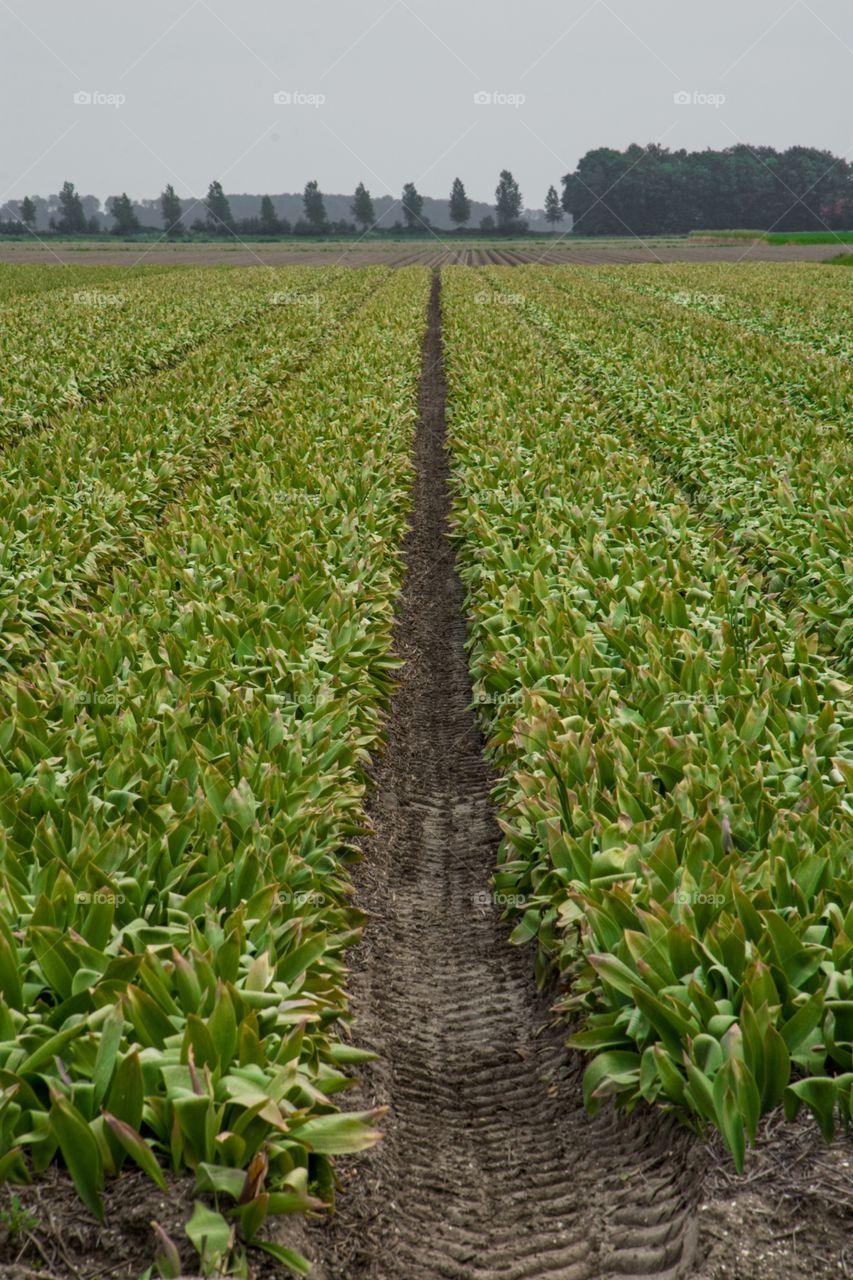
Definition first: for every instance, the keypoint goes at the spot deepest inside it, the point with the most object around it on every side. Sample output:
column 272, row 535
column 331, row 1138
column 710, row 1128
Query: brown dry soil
column 423, row 255
column 490, row 1168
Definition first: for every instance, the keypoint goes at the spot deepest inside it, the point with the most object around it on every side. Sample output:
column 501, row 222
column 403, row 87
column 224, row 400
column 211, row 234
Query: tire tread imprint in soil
column 490, row 1167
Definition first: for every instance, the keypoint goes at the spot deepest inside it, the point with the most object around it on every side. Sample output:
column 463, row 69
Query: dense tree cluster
column 654, row 191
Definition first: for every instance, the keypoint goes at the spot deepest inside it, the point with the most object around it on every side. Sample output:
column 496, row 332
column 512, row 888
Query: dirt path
column 490, row 1167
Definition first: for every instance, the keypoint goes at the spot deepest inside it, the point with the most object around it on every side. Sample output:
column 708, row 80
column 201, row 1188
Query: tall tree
column 121, row 210
column 413, row 206
column 269, row 222
column 28, row 212
column 460, row 205
column 553, row 208
column 72, row 220
column 508, row 203
column 315, row 207
column 170, row 206
column 362, row 207
column 219, row 219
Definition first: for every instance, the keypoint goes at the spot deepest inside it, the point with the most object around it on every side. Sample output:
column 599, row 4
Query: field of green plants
column 198, row 575
column 205, row 482
column 653, row 500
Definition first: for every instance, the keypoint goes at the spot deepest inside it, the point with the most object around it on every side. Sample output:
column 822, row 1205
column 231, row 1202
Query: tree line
column 654, row 191
column 640, row 191
column 217, row 220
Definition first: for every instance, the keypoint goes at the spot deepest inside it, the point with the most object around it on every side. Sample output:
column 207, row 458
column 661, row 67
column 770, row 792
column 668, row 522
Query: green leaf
column 210, row 1233
column 298, row 1265
column 820, row 1094
column 610, row 1073
column 337, row 1135
column 105, row 1060
column 80, row 1152
column 137, row 1149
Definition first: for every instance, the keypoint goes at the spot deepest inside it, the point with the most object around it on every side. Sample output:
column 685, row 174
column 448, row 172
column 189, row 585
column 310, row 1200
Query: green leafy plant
column 183, row 735
column 670, row 722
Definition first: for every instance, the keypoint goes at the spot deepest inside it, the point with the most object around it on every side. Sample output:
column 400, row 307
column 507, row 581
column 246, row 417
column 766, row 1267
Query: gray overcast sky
column 399, row 79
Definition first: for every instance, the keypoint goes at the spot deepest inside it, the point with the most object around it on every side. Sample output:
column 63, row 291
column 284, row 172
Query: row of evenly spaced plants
column 796, row 385
column 30, row 278
column 181, row 780
column 802, row 304
column 675, row 758
column 63, row 347
column 776, row 481
column 69, row 513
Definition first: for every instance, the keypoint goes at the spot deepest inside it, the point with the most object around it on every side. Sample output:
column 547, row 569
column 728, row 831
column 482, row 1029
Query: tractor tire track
column 490, row 1168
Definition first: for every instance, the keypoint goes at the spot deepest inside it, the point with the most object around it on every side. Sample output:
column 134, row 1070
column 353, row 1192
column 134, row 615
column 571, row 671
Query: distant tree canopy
column 170, row 206
column 28, row 212
column 362, row 207
column 413, row 207
column 654, row 191
column 315, row 208
column 121, row 210
column 460, row 205
column 72, row 219
column 508, row 203
column 219, row 219
column 553, row 208
column 268, row 219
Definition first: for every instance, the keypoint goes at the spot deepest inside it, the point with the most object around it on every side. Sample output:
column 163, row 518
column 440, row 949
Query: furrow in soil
column 490, row 1166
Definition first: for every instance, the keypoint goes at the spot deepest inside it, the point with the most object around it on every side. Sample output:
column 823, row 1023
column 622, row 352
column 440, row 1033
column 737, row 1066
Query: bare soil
column 46, row 1232
column 424, row 254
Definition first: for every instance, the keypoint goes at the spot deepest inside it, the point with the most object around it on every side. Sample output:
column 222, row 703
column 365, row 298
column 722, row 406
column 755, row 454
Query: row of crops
column 198, row 581
column 61, row 348
column 205, row 480
column 654, row 529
